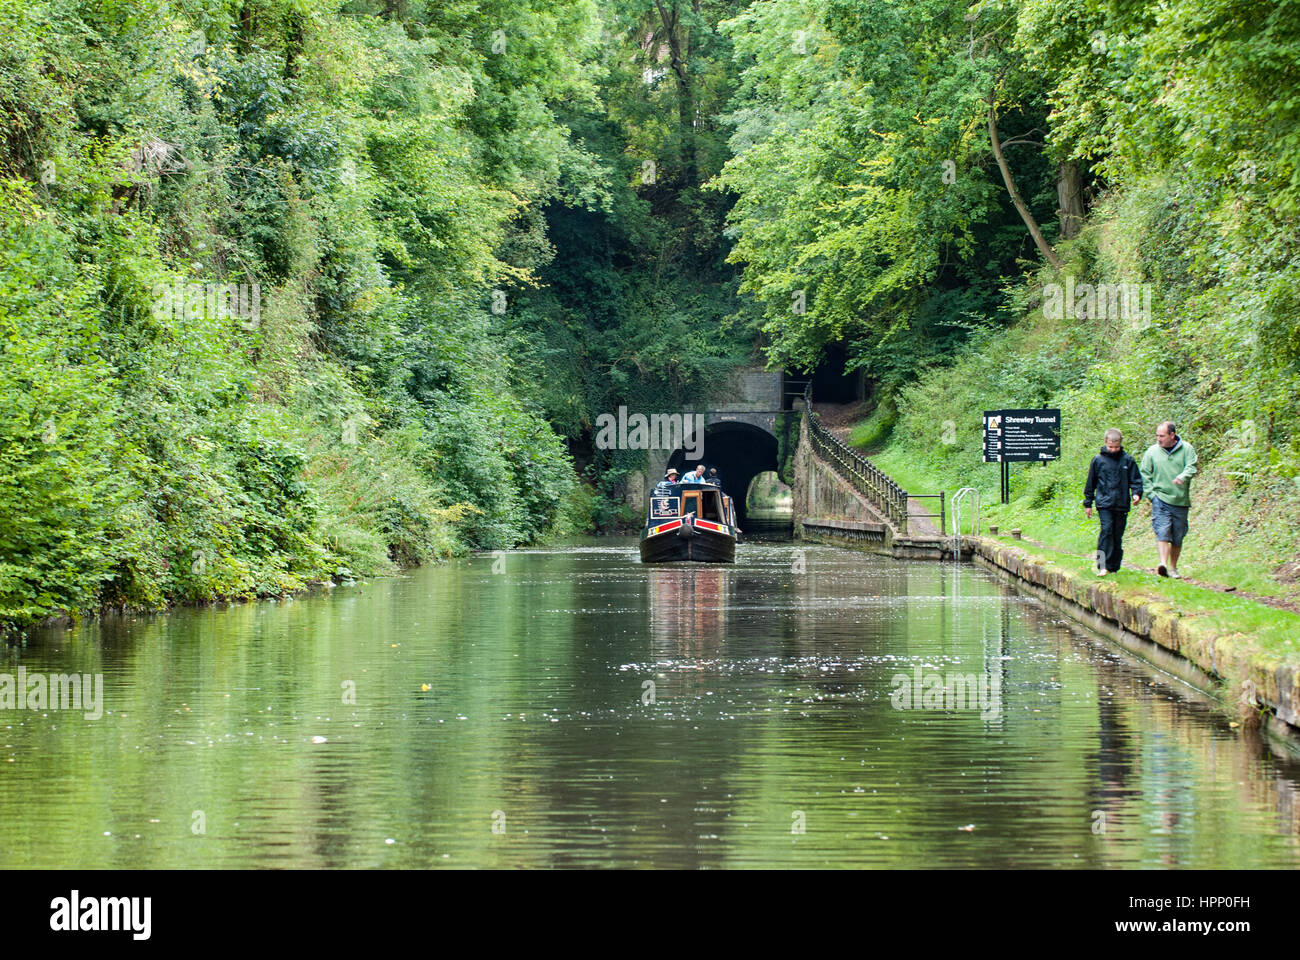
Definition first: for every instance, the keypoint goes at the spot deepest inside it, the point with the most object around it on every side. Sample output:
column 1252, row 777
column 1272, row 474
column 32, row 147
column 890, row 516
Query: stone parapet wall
column 751, row 389
column 821, row 492
column 1196, row 652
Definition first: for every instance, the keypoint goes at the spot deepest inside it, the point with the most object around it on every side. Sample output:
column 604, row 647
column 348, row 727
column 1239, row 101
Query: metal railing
column 940, row 496
column 860, row 473
column 794, row 388
column 957, row 505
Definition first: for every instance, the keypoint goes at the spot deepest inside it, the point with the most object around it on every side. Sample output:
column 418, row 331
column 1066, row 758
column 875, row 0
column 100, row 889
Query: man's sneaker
column 1162, row 570
column 1102, row 571
column 1173, row 572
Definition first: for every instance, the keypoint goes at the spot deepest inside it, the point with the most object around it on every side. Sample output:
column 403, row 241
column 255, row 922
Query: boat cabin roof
column 673, row 499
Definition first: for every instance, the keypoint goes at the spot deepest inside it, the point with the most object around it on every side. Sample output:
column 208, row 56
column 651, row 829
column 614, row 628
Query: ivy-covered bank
column 1198, row 358
column 246, row 260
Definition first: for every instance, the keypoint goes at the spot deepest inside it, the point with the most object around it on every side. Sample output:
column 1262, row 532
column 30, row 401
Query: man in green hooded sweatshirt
column 1167, row 469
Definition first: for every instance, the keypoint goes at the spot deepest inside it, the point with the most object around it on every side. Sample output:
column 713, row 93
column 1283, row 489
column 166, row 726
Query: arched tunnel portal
column 740, row 451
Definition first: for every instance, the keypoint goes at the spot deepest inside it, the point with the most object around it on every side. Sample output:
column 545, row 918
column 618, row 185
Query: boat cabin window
column 705, row 504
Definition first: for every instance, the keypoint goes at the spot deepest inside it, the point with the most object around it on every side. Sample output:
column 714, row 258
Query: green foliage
column 1193, row 114
column 375, row 173
column 576, row 516
column 873, row 431
column 634, row 308
column 1196, row 362
column 59, row 490
column 870, row 211
column 1207, row 85
column 788, row 425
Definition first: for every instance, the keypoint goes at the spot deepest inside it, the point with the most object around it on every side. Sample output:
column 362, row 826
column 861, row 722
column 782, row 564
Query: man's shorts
column 1169, row 523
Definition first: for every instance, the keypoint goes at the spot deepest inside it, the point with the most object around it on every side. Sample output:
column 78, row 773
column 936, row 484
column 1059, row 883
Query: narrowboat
column 690, row 521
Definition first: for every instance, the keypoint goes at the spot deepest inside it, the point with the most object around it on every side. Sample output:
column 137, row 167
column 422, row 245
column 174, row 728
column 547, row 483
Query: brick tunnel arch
column 740, row 451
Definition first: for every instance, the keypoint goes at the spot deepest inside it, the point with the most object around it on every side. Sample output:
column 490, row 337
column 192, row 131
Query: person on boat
column 670, row 479
column 696, row 475
column 713, row 477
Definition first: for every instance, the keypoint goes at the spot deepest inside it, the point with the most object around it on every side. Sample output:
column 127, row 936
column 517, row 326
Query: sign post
column 1020, row 436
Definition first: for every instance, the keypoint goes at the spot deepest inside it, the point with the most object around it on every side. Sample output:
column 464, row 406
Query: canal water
column 569, row 707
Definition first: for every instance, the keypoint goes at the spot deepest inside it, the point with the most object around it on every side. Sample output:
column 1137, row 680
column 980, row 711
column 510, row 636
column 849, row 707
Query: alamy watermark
column 186, row 301
column 76, row 913
column 952, row 691
column 659, row 431
column 1101, row 301
column 56, row 691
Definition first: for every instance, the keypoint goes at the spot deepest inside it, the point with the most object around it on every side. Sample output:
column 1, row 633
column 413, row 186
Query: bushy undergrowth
column 1198, row 360
column 353, row 409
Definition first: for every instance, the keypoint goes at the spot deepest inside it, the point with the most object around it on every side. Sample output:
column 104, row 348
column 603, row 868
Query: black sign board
column 992, row 436
column 663, row 507
column 1022, row 436
column 1030, row 436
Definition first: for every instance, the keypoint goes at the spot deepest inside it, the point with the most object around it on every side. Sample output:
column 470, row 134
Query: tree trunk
column 1021, row 207
column 679, row 48
column 246, row 27
column 1069, row 192
column 686, row 120
column 294, row 44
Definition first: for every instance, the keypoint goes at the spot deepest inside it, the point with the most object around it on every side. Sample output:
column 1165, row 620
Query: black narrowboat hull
column 688, row 541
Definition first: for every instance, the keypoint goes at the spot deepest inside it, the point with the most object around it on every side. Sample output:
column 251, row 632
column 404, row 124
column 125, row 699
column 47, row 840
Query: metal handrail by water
column 958, row 499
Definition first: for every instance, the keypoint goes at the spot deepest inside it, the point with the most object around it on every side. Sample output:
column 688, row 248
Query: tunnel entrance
column 770, row 506
column 830, row 382
column 740, row 451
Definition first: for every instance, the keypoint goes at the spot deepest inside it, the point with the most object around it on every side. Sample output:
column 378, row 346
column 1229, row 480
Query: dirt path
column 841, row 418
column 920, row 520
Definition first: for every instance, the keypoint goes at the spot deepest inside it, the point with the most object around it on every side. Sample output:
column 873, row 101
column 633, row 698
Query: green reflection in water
column 516, row 701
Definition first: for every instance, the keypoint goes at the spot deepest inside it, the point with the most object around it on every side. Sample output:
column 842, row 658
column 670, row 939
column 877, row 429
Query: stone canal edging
column 1196, row 652
column 1226, row 666
column 878, row 537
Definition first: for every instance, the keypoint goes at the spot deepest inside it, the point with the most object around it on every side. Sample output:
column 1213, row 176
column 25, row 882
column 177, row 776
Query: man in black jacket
column 1115, row 484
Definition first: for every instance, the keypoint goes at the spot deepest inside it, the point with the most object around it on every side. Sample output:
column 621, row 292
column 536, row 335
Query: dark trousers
column 1109, row 540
